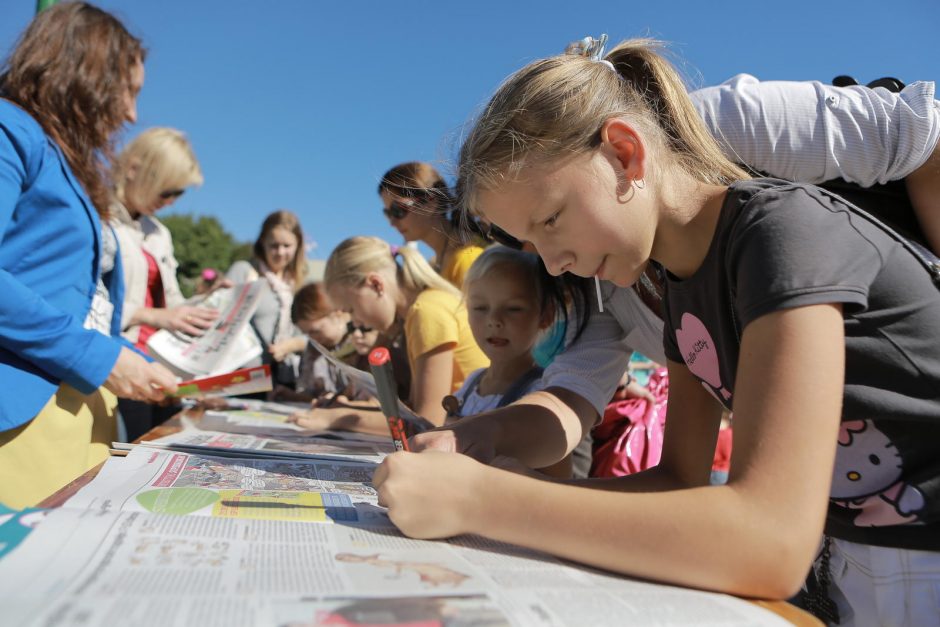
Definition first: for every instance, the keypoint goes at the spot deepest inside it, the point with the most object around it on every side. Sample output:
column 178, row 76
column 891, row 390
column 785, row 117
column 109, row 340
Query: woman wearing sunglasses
column 151, row 173
column 417, row 202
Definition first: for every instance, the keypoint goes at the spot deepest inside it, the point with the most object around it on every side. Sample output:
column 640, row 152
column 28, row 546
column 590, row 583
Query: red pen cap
column 379, row 356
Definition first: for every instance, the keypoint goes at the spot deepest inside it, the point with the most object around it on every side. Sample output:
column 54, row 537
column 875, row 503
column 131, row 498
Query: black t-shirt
column 780, row 245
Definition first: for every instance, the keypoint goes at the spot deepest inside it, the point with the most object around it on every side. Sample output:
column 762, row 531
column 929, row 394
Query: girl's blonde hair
column 161, row 159
column 356, row 257
column 296, row 270
column 497, row 258
column 554, row 108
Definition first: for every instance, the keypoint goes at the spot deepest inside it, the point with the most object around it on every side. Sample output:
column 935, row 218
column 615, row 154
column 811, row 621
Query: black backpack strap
column 520, row 386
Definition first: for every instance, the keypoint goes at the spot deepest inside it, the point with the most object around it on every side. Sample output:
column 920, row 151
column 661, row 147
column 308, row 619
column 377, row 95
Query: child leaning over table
column 312, row 313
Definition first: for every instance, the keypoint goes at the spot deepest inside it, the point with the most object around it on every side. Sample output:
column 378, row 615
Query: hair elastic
column 393, row 249
column 592, row 49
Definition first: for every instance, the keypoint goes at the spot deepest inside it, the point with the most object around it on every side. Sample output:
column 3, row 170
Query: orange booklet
column 243, row 381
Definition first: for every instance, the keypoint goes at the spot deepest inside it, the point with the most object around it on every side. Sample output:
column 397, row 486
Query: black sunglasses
column 495, row 234
column 352, row 328
column 397, row 210
column 172, row 193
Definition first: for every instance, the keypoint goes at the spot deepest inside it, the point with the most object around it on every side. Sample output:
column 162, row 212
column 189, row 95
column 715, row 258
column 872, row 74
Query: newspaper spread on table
column 99, row 567
column 170, row 482
column 226, row 346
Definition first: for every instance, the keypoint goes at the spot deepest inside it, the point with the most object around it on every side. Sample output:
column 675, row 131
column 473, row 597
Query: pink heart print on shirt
column 699, row 352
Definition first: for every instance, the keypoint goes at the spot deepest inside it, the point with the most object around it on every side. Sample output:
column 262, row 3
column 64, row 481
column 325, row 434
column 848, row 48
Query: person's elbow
column 777, row 564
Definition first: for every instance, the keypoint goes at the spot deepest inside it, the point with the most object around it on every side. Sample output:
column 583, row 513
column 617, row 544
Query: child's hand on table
column 431, row 495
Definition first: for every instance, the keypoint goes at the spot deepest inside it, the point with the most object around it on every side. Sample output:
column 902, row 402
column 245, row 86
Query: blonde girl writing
column 782, row 303
column 364, row 277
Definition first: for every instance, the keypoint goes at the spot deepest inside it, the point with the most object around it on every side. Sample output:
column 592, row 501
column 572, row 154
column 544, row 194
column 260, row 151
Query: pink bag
column 630, row 437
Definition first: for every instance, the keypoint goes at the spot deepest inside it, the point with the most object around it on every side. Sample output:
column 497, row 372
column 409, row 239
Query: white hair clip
column 591, row 48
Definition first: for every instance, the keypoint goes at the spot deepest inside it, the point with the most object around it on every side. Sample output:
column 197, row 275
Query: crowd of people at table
column 599, row 209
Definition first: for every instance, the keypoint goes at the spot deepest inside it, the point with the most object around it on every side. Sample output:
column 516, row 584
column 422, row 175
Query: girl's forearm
column 539, row 430
column 707, row 538
column 355, row 419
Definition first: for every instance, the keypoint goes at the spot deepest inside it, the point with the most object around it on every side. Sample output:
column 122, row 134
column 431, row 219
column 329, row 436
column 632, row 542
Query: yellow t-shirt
column 459, row 262
column 437, row 318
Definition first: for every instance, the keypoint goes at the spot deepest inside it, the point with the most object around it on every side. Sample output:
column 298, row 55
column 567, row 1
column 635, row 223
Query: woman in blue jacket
column 68, row 86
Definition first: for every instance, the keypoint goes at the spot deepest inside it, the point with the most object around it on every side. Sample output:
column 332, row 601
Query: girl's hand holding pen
column 431, row 495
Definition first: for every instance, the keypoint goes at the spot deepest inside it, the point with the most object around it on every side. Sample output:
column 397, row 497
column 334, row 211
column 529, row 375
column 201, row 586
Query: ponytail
column 356, row 257
column 644, row 70
column 554, row 108
column 417, row 273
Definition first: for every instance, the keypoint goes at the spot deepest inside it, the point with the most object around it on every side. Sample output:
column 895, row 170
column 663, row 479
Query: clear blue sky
column 303, row 105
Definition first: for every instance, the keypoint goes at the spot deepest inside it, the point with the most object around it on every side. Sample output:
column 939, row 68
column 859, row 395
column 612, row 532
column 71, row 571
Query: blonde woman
column 417, row 203
column 363, row 276
column 151, row 173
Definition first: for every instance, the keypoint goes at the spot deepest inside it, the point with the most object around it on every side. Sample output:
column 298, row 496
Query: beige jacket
column 135, row 236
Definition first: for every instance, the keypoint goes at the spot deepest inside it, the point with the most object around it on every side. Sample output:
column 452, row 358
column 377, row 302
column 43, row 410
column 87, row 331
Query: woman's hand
column 135, row 378
column 184, row 319
column 431, row 495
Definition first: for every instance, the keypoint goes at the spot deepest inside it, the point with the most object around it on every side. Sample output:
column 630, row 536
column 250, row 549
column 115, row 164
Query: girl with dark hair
column 418, row 203
column 70, row 83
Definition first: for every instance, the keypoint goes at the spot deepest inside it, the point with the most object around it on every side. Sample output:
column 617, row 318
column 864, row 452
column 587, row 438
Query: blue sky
column 303, row 105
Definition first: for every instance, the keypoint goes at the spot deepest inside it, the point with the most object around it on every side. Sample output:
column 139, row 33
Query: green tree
column 201, row 243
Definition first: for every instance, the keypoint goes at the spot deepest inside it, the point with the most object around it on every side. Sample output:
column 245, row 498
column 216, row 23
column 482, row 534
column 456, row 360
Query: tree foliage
column 200, row 243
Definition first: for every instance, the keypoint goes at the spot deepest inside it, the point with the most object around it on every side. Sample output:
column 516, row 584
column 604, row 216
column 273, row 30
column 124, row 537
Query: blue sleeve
column 30, row 327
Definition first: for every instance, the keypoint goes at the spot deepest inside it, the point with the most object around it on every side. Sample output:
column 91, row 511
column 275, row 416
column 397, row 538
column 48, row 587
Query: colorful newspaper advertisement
column 226, row 346
column 92, row 567
column 168, row 482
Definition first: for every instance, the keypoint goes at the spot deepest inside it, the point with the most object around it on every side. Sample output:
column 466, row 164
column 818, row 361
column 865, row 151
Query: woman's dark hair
column 422, row 181
column 71, row 70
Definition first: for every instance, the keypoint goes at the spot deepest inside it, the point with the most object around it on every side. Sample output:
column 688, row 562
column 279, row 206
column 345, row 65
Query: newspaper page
column 365, row 381
column 168, row 482
column 226, row 346
column 247, row 444
column 261, row 418
column 93, row 567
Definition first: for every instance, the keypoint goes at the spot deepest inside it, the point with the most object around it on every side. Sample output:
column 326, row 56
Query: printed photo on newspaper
column 170, row 482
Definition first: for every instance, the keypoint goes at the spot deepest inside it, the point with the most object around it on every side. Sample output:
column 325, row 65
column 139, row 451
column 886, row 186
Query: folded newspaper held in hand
column 227, row 345
column 244, row 381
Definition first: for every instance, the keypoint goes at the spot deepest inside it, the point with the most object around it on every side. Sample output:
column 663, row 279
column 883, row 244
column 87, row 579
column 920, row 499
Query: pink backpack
column 630, row 437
